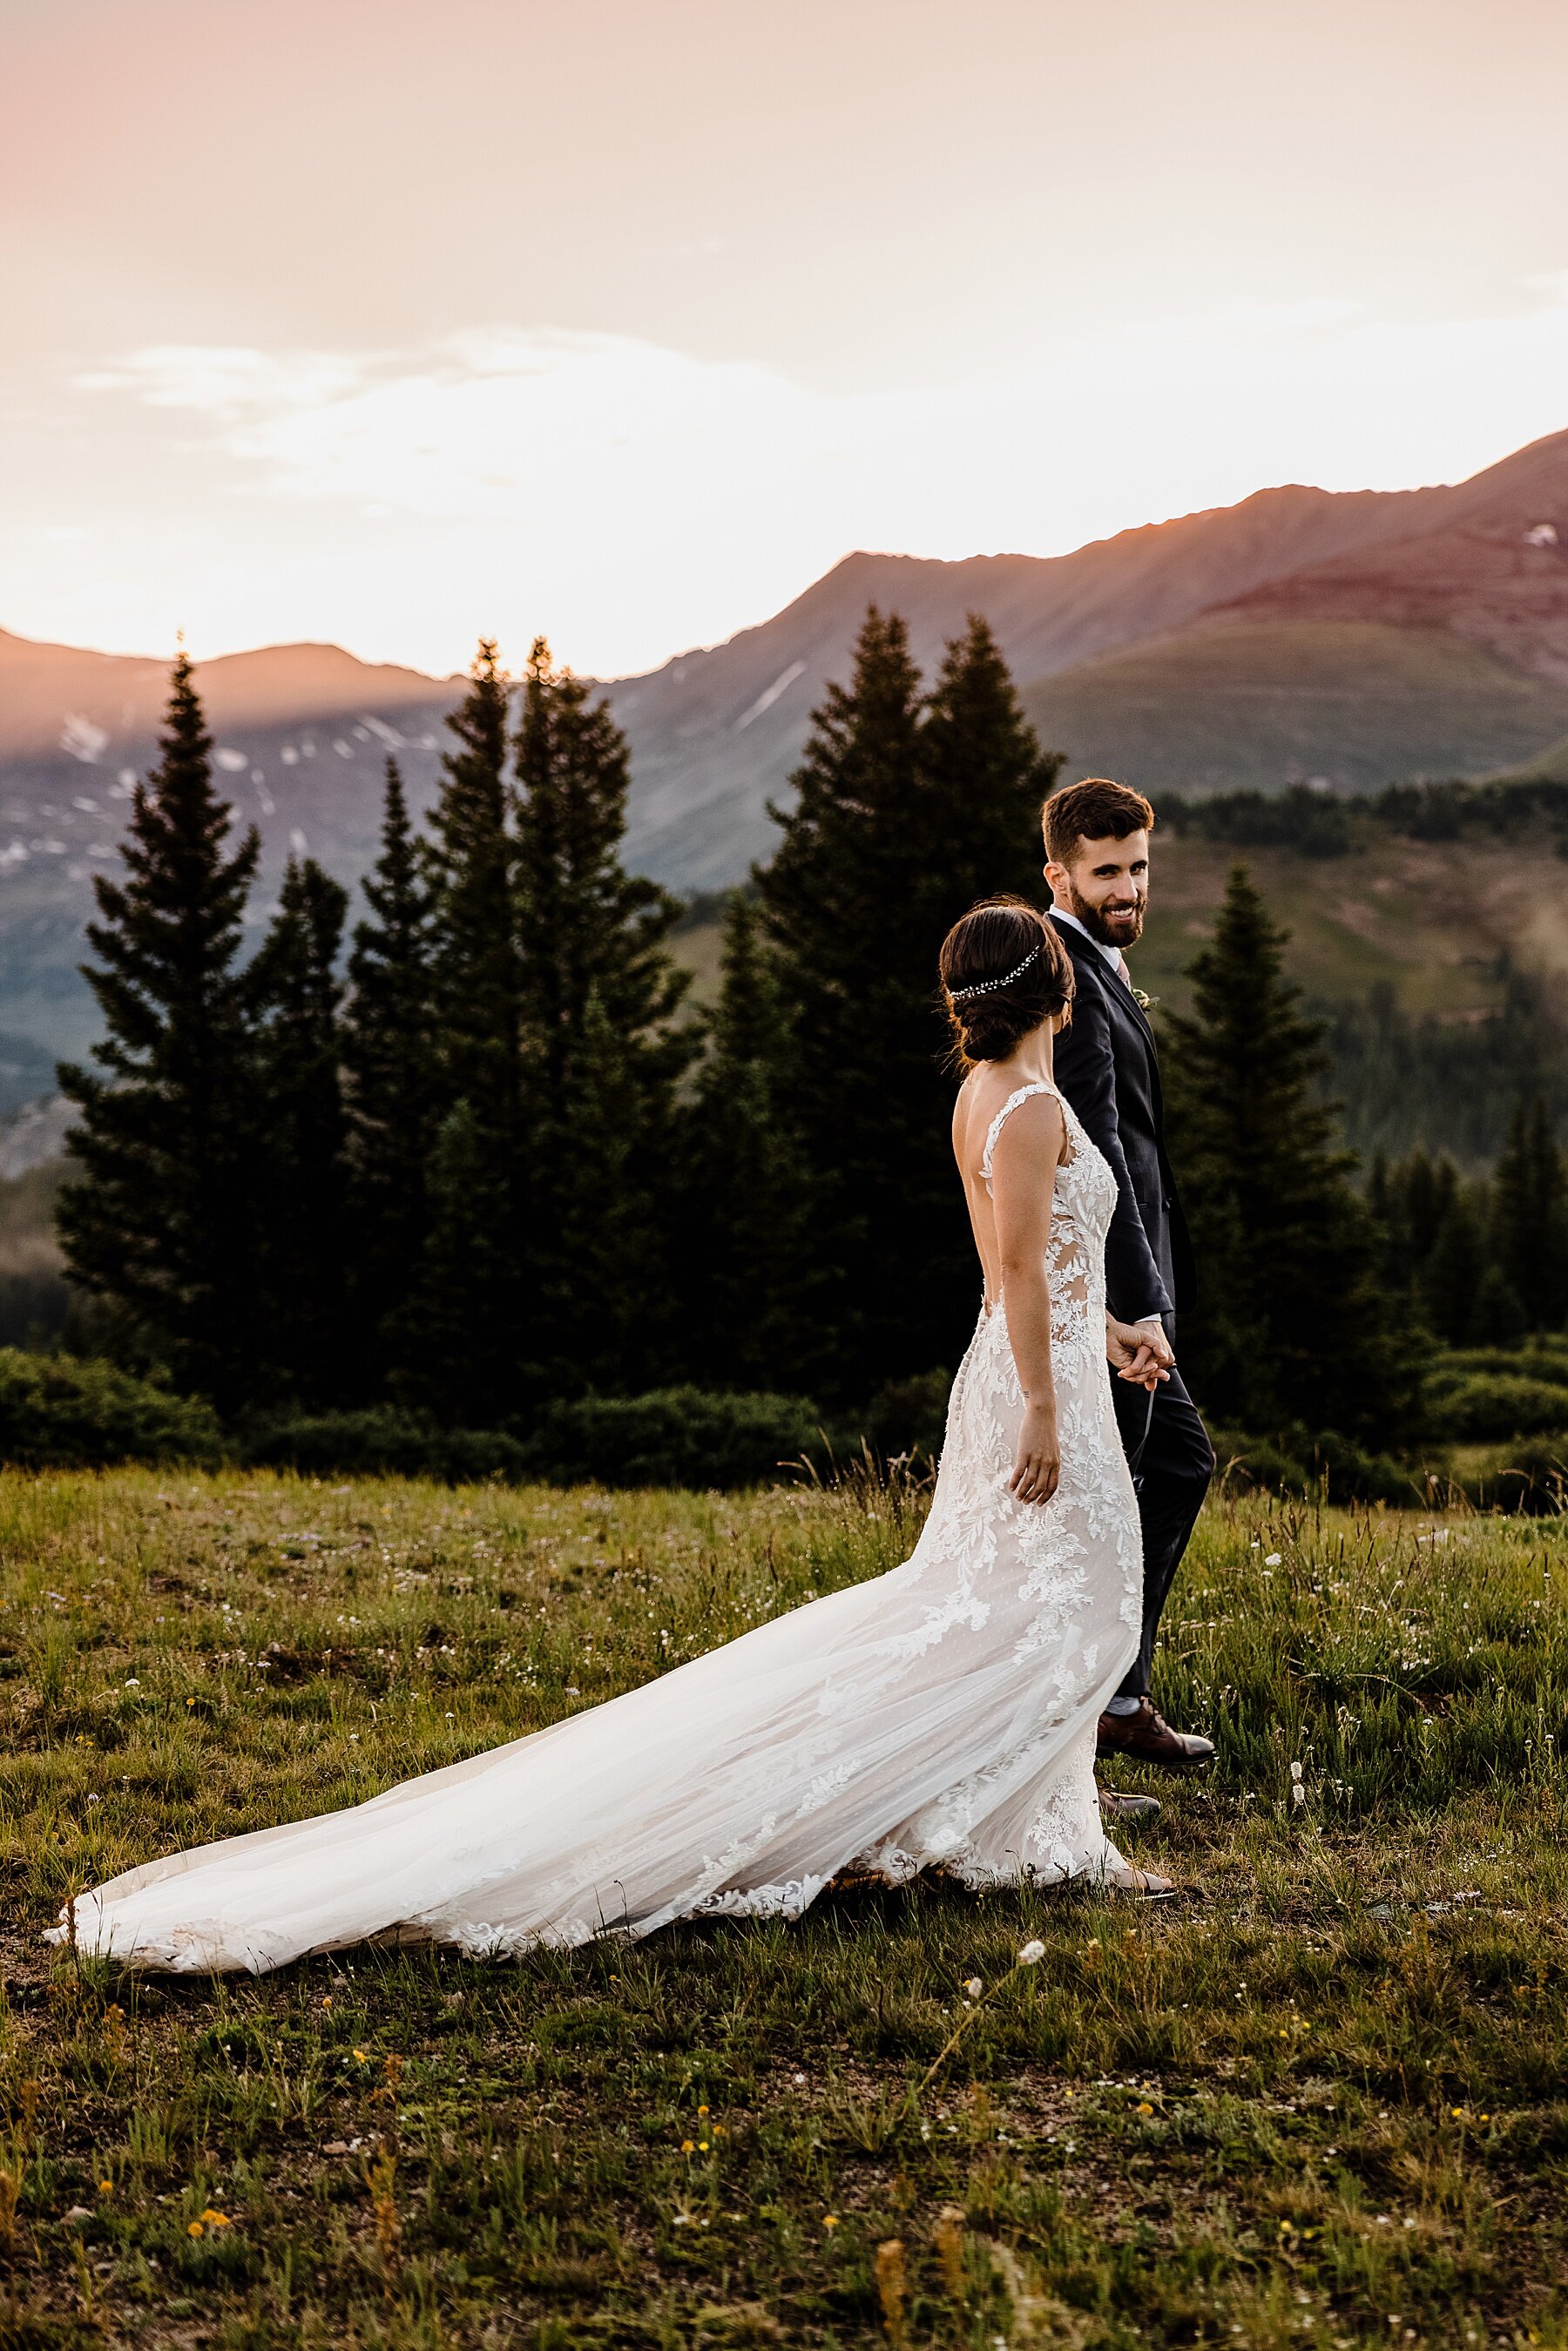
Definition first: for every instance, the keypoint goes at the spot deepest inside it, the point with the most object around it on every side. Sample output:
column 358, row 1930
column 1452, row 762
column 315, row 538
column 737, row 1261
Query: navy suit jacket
column 1107, row 1067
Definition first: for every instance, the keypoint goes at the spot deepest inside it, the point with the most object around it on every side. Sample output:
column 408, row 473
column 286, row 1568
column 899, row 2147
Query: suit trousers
column 1172, row 1461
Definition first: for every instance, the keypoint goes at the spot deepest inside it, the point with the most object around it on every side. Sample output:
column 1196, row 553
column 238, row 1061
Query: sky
column 392, row 323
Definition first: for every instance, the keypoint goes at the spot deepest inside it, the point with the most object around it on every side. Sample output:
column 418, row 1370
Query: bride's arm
column 1023, row 1181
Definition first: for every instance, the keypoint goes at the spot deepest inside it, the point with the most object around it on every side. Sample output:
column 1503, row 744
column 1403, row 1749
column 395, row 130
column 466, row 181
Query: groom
column 1097, row 862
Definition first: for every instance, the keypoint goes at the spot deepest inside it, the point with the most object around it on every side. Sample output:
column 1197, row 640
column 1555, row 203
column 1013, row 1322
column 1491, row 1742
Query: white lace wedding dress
column 941, row 1715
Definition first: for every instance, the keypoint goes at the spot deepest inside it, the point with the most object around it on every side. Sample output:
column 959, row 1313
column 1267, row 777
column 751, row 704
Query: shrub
column 672, row 1437
column 62, row 1412
column 1530, row 1479
column 1295, row 1461
column 381, row 1443
column 1498, row 1404
column 907, row 1416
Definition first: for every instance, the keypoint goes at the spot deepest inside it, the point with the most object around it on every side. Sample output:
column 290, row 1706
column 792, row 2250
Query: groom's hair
column 1095, row 810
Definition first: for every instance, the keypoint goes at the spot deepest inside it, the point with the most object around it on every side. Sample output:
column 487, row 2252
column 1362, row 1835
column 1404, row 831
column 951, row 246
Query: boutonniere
column 1146, row 1003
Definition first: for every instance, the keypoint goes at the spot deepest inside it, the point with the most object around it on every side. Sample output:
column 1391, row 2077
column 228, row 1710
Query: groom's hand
column 1151, row 1334
column 1131, row 1356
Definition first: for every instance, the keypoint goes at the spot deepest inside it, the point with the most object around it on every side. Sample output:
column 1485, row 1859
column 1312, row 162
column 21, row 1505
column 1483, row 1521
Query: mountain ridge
column 1357, row 636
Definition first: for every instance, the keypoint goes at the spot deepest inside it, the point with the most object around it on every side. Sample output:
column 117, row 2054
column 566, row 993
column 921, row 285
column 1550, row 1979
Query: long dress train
column 941, row 1714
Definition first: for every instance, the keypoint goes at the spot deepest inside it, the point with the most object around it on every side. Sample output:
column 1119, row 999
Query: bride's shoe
column 1147, row 1883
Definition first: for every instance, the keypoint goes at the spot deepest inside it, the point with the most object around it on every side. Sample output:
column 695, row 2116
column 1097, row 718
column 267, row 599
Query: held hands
column 1038, row 1467
column 1139, row 1353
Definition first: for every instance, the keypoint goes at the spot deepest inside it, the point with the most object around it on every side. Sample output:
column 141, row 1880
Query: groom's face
column 1106, row 885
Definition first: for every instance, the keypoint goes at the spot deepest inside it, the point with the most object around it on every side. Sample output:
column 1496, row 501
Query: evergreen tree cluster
column 1479, row 1261
column 1294, row 1323
column 474, row 1157
column 483, row 1159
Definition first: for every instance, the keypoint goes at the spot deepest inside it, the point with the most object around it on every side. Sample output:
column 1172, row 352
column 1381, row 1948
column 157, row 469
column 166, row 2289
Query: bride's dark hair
column 1004, row 970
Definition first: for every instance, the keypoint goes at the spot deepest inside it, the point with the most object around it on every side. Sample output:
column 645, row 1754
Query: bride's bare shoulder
column 1034, row 1126
column 1033, row 1129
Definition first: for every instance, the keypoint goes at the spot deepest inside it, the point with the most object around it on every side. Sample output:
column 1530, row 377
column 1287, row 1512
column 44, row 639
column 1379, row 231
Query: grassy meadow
column 1320, row 2099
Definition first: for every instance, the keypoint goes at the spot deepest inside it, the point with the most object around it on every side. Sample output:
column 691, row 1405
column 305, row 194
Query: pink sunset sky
column 388, row 323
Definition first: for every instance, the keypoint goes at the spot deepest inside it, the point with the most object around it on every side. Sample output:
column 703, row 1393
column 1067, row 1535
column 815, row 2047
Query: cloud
column 635, row 498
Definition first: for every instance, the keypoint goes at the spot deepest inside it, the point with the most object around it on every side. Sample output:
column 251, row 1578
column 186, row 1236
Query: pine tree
column 390, row 1058
column 296, row 992
column 1528, row 1222
column 1450, row 1280
column 460, row 1336
column 462, row 1345
column 604, row 1057
column 747, row 1233
column 1497, row 1318
column 907, row 813
column 984, row 780
column 1291, row 1325
column 158, row 1222
column 475, row 996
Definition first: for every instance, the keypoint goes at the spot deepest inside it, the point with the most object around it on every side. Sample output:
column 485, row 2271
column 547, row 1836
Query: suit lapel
column 1086, row 957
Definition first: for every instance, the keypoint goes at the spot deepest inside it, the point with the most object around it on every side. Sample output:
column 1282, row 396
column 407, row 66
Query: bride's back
column 1026, row 1099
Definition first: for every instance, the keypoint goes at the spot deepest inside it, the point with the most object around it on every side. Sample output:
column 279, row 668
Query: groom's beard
column 1113, row 926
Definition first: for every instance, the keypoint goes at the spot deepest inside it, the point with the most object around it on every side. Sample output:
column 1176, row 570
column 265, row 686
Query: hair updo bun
column 1004, row 972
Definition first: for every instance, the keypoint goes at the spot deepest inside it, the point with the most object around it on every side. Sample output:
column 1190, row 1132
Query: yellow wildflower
column 195, row 2230
column 830, row 2220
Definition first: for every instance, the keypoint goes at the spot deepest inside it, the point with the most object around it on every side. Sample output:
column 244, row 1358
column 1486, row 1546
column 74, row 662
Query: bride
column 942, row 1715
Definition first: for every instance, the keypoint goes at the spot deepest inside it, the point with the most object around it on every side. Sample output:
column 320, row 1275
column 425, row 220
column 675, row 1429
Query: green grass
column 1234, row 703
column 1321, row 2100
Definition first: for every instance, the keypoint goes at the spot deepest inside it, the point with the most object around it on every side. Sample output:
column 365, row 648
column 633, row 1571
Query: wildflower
column 105, row 2185
column 701, row 2146
column 216, row 2220
column 830, row 2220
column 1295, row 1772
column 1032, row 1954
column 195, row 2228
column 973, row 1986
column 1272, row 1559
column 702, row 2110
column 687, row 2145
column 1144, row 2107
column 360, row 2058
column 799, row 2081
column 1298, row 1793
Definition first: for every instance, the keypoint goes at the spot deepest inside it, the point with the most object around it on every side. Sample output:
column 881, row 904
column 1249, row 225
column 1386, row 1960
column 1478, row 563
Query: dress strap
column 1002, row 1116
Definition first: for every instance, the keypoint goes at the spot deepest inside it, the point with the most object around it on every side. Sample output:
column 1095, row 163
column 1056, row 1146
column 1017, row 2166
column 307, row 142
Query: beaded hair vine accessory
column 990, row 986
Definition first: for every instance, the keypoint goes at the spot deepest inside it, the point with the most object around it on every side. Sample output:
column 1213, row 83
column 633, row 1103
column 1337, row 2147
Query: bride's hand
column 1038, row 1466
column 1131, row 1356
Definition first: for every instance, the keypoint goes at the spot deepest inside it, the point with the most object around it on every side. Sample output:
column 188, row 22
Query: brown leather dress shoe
column 1147, row 1737
column 1127, row 1811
